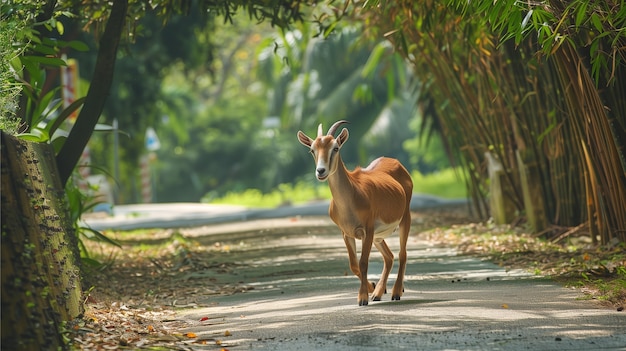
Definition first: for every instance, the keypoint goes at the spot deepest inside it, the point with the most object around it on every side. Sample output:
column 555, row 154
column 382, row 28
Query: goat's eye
column 335, row 149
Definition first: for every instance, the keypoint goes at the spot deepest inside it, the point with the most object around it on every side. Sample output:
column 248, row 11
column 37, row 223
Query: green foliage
column 212, row 136
column 445, row 183
column 9, row 90
column 28, row 59
column 343, row 76
column 79, row 203
column 137, row 100
column 140, row 78
column 599, row 26
column 215, row 142
column 186, row 71
column 224, row 149
column 34, row 55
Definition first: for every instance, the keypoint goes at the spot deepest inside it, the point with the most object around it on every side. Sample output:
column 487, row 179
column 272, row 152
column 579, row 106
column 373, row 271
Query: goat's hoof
column 376, row 298
column 363, row 303
column 395, row 297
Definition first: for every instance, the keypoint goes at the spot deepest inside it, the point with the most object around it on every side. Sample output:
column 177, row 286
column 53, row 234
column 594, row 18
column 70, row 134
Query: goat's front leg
column 366, row 286
column 354, row 264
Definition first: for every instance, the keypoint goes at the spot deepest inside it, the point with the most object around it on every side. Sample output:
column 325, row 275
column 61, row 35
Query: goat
column 367, row 204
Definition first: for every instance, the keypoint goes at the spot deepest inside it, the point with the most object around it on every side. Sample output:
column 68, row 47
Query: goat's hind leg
column 381, row 287
column 405, row 226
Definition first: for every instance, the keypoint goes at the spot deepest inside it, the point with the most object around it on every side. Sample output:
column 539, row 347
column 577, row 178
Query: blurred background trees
column 533, row 90
column 227, row 104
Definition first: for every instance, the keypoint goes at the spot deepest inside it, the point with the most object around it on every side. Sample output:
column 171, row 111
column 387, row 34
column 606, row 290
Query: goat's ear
column 343, row 136
column 304, row 139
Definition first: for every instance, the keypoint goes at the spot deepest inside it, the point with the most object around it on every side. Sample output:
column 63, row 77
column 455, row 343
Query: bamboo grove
column 538, row 86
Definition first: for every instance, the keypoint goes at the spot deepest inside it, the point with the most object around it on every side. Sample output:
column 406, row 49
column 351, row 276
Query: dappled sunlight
column 290, row 306
column 302, row 286
column 454, row 312
column 270, row 288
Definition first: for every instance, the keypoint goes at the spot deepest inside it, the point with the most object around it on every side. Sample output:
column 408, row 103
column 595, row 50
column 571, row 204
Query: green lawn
column 443, row 183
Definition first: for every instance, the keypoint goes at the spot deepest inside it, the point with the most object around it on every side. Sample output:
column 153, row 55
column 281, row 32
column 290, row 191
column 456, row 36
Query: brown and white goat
column 368, row 204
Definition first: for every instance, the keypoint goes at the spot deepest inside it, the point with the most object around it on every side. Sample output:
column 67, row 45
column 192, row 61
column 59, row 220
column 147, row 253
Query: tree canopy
column 350, row 77
column 533, row 86
column 113, row 21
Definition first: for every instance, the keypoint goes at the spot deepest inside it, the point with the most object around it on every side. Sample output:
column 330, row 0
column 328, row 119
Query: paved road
column 304, row 298
column 176, row 215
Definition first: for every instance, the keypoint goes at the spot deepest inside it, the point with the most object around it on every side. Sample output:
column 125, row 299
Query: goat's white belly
column 383, row 230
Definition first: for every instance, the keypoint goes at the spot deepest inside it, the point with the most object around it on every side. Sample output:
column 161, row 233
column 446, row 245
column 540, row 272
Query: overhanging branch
column 99, row 89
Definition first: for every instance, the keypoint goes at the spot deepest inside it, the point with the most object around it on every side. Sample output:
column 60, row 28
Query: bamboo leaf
column 597, row 23
column 374, row 59
column 581, row 12
column 526, row 18
column 553, row 123
column 403, row 43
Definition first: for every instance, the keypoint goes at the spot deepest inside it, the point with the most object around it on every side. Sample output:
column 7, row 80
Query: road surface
column 300, row 294
column 303, row 297
column 175, row 215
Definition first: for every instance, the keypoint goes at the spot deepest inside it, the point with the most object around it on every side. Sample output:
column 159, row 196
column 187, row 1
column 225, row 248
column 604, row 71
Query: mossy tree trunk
column 40, row 264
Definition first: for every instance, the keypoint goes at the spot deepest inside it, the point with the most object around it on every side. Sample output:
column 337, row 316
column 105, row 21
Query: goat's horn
column 319, row 130
column 334, row 127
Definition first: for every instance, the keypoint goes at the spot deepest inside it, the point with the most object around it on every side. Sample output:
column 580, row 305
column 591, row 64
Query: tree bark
column 98, row 91
column 40, row 272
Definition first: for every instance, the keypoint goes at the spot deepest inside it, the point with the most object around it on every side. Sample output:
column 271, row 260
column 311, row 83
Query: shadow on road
column 284, row 284
column 304, row 298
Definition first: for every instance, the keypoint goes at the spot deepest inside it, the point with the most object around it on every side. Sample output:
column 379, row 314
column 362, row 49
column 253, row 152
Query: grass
column 301, row 192
column 444, row 183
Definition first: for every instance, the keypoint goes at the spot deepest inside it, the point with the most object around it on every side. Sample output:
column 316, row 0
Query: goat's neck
column 340, row 184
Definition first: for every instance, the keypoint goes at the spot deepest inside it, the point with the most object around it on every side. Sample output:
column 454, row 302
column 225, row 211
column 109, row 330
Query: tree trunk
column 98, row 91
column 40, row 275
column 530, row 181
column 501, row 201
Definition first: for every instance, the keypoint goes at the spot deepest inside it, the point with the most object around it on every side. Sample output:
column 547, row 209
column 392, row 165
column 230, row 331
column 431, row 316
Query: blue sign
column 152, row 141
